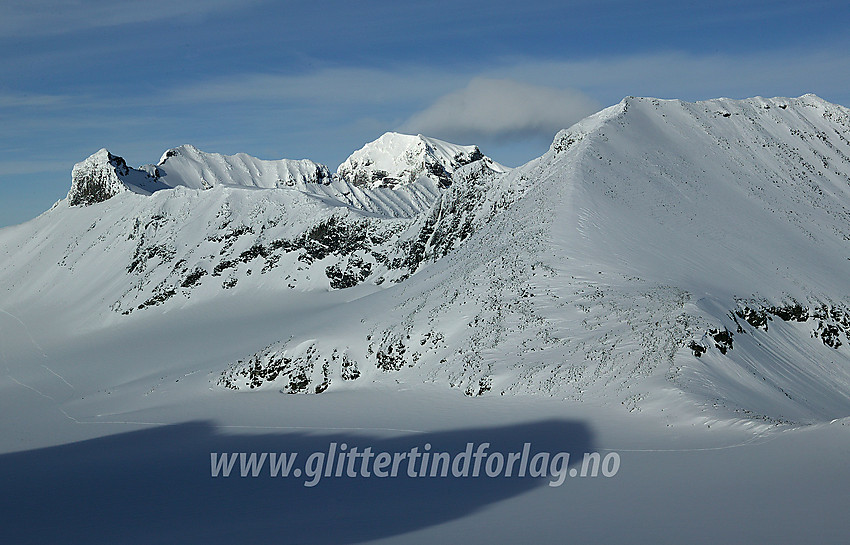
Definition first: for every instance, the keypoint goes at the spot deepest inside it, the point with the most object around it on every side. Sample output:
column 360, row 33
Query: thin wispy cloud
column 15, row 168
column 51, row 17
column 24, row 100
column 326, row 86
column 515, row 99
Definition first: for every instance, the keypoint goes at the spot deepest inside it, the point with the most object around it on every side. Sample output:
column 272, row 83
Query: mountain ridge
column 402, row 160
column 658, row 246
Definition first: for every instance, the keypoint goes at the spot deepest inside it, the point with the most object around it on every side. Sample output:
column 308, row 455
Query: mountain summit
column 395, row 159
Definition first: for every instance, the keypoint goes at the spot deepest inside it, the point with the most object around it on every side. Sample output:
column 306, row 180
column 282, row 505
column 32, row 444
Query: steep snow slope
column 743, row 205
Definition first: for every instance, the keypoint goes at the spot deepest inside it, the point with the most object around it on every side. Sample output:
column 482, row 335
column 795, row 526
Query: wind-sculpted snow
column 660, row 252
column 190, row 167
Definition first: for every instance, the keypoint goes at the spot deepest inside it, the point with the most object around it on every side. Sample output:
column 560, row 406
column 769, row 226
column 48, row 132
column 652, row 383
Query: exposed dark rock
column 722, row 339
column 697, row 348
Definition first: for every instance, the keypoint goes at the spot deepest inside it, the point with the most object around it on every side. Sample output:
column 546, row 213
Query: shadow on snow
column 155, row 486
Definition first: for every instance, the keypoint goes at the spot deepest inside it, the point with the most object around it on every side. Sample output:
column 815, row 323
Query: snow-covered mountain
column 399, row 159
column 396, row 175
column 188, row 224
column 657, row 244
column 661, row 253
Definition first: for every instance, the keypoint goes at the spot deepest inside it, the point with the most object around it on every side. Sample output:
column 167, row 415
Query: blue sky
column 317, row 80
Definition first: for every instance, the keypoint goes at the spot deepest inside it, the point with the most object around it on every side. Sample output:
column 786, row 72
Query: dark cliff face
column 92, row 189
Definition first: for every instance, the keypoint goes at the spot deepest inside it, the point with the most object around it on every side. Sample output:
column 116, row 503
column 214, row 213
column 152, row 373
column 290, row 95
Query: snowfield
column 668, row 282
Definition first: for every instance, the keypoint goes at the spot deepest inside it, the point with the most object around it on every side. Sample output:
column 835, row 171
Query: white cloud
column 501, row 109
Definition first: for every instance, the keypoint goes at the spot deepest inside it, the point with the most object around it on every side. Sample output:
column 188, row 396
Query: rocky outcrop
column 97, row 179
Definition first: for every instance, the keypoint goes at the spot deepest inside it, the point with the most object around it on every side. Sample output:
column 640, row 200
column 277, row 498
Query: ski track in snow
column 59, row 376
column 221, row 426
column 26, row 328
column 758, row 439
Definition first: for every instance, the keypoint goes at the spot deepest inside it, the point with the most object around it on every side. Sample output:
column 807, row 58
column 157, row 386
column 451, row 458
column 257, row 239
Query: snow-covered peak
column 399, row 159
column 188, row 166
column 654, row 110
column 103, row 175
column 763, row 179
